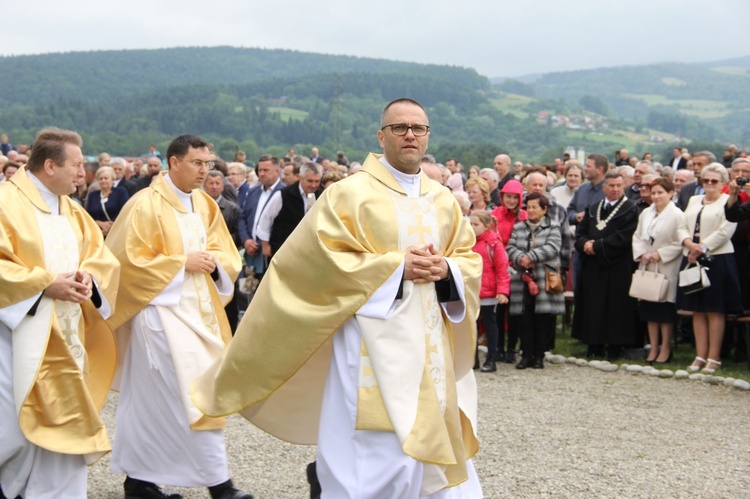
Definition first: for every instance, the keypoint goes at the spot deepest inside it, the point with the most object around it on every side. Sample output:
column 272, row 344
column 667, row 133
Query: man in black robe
column 605, row 315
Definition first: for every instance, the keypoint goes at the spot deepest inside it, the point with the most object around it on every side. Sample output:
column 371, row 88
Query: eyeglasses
column 712, row 181
column 199, row 164
column 400, row 129
column 645, row 186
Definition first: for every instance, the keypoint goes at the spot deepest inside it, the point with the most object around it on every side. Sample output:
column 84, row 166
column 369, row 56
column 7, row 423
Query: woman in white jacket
column 657, row 246
column 707, row 233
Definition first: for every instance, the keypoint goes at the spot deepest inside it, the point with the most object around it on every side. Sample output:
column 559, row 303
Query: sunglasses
column 711, row 181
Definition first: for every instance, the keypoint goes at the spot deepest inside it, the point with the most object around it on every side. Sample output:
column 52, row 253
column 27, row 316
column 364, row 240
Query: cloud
column 497, row 38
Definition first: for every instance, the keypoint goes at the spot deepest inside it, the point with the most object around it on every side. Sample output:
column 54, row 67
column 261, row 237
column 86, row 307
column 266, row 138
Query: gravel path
column 564, row 431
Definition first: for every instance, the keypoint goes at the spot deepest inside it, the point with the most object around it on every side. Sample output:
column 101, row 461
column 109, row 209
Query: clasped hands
column 588, row 247
column 200, row 262
column 425, row 264
column 694, row 250
column 76, row 287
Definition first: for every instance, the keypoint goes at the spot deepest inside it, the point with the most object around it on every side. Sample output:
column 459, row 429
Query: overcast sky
column 497, row 38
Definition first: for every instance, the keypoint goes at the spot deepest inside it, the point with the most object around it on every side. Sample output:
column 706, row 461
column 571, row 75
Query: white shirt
column 272, row 210
column 265, row 195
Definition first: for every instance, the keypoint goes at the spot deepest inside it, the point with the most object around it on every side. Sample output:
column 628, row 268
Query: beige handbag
column 649, row 286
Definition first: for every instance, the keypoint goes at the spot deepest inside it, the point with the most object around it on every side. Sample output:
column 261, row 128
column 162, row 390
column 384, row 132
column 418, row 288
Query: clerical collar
column 184, row 197
column 49, row 197
column 409, row 182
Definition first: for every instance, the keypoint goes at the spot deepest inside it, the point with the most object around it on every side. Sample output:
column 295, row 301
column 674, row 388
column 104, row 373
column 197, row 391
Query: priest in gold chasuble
column 179, row 265
column 361, row 336
column 58, row 283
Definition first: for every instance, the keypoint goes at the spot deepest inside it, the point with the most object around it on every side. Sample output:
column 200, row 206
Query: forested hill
column 675, row 95
column 269, row 100
column 108, row 74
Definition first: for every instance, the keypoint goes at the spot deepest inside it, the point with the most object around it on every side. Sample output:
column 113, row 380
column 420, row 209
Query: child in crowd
column 495, row 281
column 507, row 215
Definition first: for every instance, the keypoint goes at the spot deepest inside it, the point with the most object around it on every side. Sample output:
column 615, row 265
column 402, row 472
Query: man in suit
column 677, row 162
column 286, row 208
column 118, row 164
column 214, row 186
column 315, row 155
column 493, row 179
column 237, row 176
column 502, row 167
column 153, row 168
column 699, row 160
column 645, row 167
column 268, row 171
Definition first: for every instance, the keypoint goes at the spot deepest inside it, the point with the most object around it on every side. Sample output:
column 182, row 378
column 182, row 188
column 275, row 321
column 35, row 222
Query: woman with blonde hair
column 706, row 236
column 105, row 204
column 479, row 194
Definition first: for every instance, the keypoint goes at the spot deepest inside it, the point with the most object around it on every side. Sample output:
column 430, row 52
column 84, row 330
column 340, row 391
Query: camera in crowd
column 706, row 260
column 741, row 181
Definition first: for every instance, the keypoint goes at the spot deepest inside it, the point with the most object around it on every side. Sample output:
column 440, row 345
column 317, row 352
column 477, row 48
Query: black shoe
column 595, row 351
column 510, row 356
column 525, row 362
column 615, row 352
column 140, row 489
column 669, row 359
column 537, row 363
column 312, row 479
column 227, row 490
column 489, row 365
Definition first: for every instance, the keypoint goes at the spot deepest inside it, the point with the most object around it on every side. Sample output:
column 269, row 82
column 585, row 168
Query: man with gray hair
column 699, row 160
column 641, row 168
column 493, row 179
column 286, row 208
column 681, row 178
column 627, row 172
column 237, row 176
column 118, row 165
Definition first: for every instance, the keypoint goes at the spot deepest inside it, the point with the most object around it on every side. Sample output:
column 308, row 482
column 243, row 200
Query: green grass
column 512, row 104
column 701, row 108
column 287, row 112
column 675, row 82
column 731, row 70
column 683, row 357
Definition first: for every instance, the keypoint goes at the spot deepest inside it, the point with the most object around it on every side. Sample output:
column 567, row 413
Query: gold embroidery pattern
column 194, row 239
column 61, row 255
column 417, row 226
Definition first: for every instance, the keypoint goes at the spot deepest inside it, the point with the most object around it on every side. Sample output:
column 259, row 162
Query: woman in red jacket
column 495, row 281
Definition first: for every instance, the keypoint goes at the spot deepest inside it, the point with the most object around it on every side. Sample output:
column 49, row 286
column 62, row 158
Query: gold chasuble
column 152, row 237
column 416, row 373
column 64, row 356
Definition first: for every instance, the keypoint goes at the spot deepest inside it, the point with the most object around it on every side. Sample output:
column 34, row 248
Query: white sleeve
column 382, row 303
column 171, row 295
column 456, row 310
column 224, row 286
column 12, row 315
column 270, row 212
column 106, row 308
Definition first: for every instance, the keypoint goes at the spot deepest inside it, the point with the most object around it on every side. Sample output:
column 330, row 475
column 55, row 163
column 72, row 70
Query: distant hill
column 30, row 79
column 268, row 100
column 712, row 93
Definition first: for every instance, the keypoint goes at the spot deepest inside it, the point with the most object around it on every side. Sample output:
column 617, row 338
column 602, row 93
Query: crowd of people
column 613, row 216
column 136, row 267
